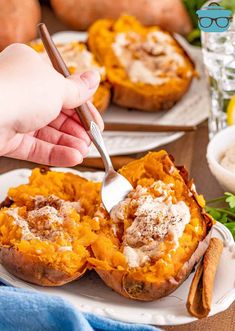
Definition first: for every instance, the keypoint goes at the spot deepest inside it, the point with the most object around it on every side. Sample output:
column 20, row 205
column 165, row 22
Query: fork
column 115, row 187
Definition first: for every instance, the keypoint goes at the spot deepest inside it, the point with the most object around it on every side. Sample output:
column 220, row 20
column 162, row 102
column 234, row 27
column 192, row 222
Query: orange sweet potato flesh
column 156, row 280
column 41, row 261
column 126, row 91
column 18, row 21
column 94, row 244
column 80, row 14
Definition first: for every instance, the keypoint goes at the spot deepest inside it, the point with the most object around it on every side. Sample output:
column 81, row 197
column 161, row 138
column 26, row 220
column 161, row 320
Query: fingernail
column 91, row 78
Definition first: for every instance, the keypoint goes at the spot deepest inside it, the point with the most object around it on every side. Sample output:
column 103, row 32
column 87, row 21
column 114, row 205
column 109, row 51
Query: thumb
column 79, row 88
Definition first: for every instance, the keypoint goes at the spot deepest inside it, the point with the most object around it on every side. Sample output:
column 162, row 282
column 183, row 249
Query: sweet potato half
column 170, row 263
column 46, row 228
column 146, row 66
column 79, row 59
column 54, row 228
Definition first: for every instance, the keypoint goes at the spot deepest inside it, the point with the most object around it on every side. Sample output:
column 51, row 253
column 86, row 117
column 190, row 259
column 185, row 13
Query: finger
column 56, row 137
column 71, row 126
column 96, row 115
column 35, row 150
column 80, row 88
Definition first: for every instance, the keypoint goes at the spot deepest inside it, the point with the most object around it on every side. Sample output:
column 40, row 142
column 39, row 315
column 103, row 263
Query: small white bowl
column 215, row 151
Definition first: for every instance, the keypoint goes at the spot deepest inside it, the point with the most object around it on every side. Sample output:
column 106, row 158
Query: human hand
column 36, row 102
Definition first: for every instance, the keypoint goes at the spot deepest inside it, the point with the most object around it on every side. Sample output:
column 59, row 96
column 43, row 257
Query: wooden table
column 189, row 150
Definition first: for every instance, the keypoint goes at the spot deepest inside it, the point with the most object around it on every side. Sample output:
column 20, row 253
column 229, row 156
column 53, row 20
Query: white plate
column 191, row 110
column 91, row 295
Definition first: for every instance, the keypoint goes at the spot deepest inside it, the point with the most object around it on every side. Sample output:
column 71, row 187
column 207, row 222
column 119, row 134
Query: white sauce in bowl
column 228, row 159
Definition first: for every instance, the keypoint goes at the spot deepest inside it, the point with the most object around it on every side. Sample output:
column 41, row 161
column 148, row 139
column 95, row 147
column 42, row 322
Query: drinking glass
column 219, row 58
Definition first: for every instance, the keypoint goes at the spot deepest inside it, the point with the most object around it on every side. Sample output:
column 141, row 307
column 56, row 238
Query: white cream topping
column 64, row 207
column 152, row 61
column 228, row 159
column 117, row 213
column 51, row 209
column 80, row 59
column 19, row 221
column 47, row 211
column 180, row 215
column 135, row 257
column 67, row 206
column 139, row 73
column 114, row 229
column 155, row 219
column 65, row 249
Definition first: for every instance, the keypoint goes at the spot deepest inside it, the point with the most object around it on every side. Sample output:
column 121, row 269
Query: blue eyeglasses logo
column 214, row 18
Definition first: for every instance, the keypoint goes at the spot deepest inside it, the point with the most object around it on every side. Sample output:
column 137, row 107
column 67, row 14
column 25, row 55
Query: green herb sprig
column 192, row 6
column 224, row 214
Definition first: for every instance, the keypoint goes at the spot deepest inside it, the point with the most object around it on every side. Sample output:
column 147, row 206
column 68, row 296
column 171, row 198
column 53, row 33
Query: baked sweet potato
column 147, row 68
column 153, row 239
column 18, row 21
column 47, row 230
column 53, row 228
column 78, row 59
column 80, row 14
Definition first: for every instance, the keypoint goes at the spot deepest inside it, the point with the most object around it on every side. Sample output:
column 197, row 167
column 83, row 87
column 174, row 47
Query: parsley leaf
column 224, row 219
column 230, row 199
column 213, row 212
column 231, row 227
column 223, row 210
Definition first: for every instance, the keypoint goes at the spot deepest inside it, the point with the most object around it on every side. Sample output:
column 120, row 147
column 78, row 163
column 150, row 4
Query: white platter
column 91, row 295
column 191, row 110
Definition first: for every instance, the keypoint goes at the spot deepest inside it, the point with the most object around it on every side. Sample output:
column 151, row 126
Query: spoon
column 114, row 187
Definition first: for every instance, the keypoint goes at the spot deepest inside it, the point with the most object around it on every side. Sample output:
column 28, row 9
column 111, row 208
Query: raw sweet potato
column 18, row 21
column 168, row 14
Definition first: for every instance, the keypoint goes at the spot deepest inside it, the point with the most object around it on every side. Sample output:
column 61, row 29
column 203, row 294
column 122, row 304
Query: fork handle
column 58, row 63
column 98, row 141
column 83, row 111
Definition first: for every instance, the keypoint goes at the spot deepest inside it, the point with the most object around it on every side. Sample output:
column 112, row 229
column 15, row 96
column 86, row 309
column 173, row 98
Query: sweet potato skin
column 18, row 21
column 125, row 284
column 130, row 97
column 168, row 14
column 32, row 270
